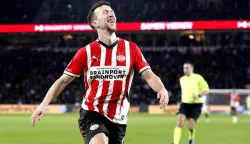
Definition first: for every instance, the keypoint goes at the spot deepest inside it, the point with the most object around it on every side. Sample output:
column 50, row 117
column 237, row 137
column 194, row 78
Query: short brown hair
column 93, row 8
column 190, row 63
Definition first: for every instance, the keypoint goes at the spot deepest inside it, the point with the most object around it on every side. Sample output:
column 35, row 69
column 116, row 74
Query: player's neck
column 107, row 37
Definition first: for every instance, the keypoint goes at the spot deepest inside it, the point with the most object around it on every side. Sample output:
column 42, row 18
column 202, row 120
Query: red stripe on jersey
column 103, row 96
column 90, row 98
column 108, row 57
column 114, row 99
column 95, row 54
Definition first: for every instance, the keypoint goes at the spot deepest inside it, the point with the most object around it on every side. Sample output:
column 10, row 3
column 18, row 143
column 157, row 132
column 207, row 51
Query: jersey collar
column 108, row 46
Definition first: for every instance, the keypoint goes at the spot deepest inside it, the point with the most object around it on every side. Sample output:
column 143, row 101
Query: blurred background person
column 193, row 88
column 248, row 104
column 234, row 99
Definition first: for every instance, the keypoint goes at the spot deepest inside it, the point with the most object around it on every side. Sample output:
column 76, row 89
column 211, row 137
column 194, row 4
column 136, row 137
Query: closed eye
column 105, row 11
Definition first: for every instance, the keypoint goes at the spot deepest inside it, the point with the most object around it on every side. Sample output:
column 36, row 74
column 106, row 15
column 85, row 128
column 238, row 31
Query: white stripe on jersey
column 111, row 85
column 88, row 51
column 127, row 49
column 99, row 91
column 141, row 70
column 73, row 75
column 131, row 79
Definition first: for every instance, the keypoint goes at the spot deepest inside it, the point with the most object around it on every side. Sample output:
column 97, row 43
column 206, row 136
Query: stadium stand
column 30, row 72
column 64, row 11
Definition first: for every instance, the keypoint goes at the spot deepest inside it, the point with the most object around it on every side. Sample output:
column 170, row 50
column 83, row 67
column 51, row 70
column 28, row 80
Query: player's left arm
column 203, row 87
column 156, row 84
column 153, row 81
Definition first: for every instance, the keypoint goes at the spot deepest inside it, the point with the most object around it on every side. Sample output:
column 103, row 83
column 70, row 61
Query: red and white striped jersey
column 108, row 72
column 234, row 98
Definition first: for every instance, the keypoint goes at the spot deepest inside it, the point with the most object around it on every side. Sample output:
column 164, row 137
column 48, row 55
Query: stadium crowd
column 26, row 74
column 64, row 11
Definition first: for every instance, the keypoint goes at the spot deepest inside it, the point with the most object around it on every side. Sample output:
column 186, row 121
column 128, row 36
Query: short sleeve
column 203, row 84
column 140, row 62
column 76, row 66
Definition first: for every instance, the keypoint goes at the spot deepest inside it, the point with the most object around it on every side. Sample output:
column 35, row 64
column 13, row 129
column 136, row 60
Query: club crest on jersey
column 121, row 58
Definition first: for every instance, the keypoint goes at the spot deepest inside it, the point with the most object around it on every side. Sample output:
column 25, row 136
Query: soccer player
column 205, row 109
column 234, row 98
column 248, row 104
column 108, row 66
column 193, row 88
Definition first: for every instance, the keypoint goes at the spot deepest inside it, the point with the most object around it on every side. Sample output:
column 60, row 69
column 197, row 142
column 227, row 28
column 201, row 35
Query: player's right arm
column 52, row 93
column 73, row 70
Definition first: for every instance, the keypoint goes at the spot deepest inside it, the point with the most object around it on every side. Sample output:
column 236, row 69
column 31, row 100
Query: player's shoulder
column 81, row 50
column 183, row 77
column 196, row 75
column 89, row 46
column 93, row 44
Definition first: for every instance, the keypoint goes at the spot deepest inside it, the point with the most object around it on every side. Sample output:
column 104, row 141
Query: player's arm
column 74, row 69
column 52, row 93
column 156, row 84
column 153, row 81
column 57, row 88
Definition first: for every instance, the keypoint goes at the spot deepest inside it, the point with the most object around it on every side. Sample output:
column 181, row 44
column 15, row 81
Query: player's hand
column 195, row 97
column 163, row 97
column 39, row 112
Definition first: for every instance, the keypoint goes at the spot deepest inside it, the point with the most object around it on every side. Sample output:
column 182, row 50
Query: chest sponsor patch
column 108, row 73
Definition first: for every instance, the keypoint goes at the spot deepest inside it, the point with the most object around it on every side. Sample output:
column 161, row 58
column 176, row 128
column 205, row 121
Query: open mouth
column 111, row 21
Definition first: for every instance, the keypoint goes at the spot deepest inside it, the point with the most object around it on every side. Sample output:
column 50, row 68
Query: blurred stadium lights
column 191, row 36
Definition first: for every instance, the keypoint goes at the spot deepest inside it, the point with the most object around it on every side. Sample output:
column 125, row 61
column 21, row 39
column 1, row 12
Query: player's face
column 105, row 18
column 187, row 69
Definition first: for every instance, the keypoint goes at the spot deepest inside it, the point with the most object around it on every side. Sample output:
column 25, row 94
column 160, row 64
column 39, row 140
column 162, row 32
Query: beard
column 111, row 28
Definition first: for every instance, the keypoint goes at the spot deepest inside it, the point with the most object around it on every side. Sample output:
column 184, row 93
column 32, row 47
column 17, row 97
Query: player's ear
column 95, row 23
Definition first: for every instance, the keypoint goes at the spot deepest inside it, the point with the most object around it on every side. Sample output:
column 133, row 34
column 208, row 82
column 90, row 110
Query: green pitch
column 142, row 129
